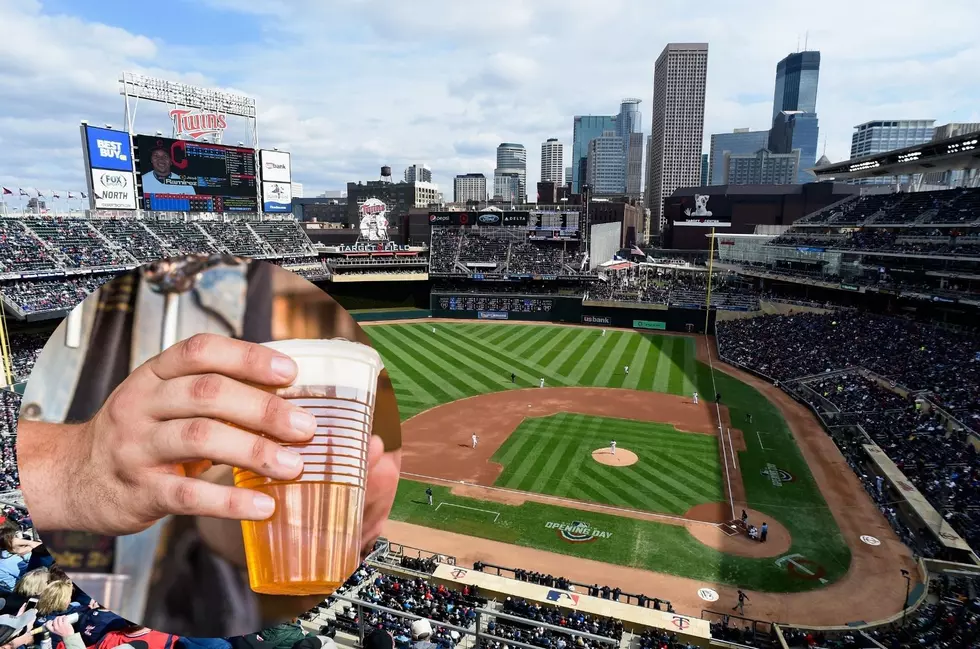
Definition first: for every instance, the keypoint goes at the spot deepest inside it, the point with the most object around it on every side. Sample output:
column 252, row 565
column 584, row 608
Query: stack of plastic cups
column 312, row 542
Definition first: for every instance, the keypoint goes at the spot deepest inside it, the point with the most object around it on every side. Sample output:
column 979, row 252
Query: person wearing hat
column 160, row 178
column 421, row 634
column 379, row 639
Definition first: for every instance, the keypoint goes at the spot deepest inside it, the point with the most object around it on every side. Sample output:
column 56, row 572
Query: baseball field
column 543, row 476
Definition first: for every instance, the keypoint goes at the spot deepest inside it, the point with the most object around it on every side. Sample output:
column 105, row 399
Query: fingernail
column 284, row 367
column 289, row 459
column 302, row 421
column 264, row 505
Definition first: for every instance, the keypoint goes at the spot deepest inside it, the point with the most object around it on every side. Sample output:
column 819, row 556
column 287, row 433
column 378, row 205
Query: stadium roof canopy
column 960, row 152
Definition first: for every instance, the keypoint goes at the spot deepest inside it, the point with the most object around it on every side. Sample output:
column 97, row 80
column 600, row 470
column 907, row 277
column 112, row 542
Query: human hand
column 23, row 546
column 137, row 460
column 60, row 626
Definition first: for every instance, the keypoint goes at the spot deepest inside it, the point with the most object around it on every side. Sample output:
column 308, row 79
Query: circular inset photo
column 207, row 446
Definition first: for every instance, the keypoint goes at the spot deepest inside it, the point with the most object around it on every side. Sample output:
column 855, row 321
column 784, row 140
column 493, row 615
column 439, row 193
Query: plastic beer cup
column 312, row 542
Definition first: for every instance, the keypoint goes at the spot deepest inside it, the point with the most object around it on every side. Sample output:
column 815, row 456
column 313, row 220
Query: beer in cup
column 312, row 542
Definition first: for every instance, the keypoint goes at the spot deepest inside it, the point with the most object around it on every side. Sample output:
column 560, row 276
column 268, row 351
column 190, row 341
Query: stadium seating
column 133, row 236
column 934, row 362
column 22, row 251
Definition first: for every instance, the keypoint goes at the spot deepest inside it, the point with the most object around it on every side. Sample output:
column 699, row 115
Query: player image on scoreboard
column 187, row 176
column 161, row 179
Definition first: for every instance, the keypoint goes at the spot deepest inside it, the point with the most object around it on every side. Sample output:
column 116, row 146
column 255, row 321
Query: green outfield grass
column 552, row 455
column 470, row 358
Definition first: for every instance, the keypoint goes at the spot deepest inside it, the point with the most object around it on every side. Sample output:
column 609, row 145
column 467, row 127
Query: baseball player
column 626, row 370
column 513, row 378
column 695, row 398
column 474, row 439
column 428, row 495
column 740, row 607
column 612, row 447
column 603, row 333
column 433, row 329
column 541, row 383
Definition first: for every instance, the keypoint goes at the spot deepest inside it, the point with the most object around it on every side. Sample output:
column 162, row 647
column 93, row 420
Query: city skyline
column 454, row 99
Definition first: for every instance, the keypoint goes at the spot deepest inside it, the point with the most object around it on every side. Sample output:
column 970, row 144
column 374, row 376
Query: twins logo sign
column 577, row 532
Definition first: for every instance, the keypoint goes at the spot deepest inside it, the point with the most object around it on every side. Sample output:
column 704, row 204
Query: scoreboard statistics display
column 561, row 226
column 187, row 176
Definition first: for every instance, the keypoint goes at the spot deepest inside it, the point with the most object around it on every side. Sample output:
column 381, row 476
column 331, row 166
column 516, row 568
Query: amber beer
column 312, row 542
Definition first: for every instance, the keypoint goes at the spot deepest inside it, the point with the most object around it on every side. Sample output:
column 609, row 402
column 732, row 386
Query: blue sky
column 349, row 85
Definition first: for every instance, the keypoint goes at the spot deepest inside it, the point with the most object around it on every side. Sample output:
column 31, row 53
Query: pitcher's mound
column 622, row 457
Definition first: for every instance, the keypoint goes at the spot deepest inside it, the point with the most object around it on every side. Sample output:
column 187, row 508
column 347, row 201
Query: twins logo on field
column 776, row 475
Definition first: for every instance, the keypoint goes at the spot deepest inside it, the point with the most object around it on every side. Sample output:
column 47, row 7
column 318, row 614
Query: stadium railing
column 630, row 598
column 762, row 630
column 476, row 634
column 399, row 550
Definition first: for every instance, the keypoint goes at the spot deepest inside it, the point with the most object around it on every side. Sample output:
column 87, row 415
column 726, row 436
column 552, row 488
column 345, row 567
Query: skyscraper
column 552, row 161
column 704, row 168
column 794, row 110
column 510, row 176
column 761, row 167
column 418, row 173
column 739, row 141
column 568, row 175
column 886, row 135
column 469, row 187
column 634, row 166
column 796, row 83
column 628, row 125
column 606, row 167
column 585, row 129
column 674, row 160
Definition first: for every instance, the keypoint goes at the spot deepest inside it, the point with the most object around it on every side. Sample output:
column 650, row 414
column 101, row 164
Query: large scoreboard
column 553, row 226
column 187, row 176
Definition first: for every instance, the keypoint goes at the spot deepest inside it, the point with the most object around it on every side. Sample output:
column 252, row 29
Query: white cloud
column 349, row 85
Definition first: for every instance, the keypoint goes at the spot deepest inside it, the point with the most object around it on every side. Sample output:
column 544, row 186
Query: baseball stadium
column 760, row 430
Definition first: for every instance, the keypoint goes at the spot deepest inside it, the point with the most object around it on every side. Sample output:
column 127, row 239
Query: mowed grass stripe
column 540, row 337
column 560, row 459
column 682, row 485
column 510, row 451
column 492, row 358
column 550, row 350
column 579, row 452
column 633, row 357
column 622, row 354
column 526, row 471
column 661, row 376
column 606, row 357
column 572, row 351
column 459, row 374
column 690, row 367
column 675, row 384
column 624, row 494
column 400, row 362
column 592, row 354
column 479, row 377
column 512, row 343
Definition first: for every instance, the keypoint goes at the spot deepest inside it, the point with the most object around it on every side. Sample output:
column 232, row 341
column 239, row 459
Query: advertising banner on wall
column 277, row 198
column 275, row 166
column 650, row 324
column 113, row 190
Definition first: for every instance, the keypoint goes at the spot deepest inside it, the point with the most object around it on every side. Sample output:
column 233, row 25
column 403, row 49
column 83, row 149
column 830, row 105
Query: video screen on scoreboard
column 187, row 176
column 553, row 226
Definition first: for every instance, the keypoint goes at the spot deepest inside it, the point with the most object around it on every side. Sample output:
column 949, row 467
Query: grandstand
column 464, row 251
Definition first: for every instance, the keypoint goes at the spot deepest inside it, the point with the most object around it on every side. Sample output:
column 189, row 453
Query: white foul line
column 761, row 445
column 496, row 515
column 728, row 477
column 732, row 448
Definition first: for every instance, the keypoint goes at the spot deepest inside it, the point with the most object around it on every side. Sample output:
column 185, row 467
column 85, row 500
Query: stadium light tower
column 134, row 87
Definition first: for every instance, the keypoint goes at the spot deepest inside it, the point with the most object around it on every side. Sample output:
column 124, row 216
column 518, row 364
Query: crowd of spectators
column 951, row 618
column 133, row 236
column 853, row 392
column 20, row 251
column 678, row 288
column 571, row 620
column 39, row 295
column 920, row 357
column 78, row 242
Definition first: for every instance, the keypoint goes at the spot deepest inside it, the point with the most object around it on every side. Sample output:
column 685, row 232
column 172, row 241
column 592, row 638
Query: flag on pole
column 55, row 195
column 636, row 251
column 84, row 195
column 24, row 192
column 39, row 194
column 71, row 195
column 7, row 192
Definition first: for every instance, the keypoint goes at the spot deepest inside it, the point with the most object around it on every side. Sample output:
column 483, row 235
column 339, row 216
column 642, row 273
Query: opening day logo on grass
column 577, row 532
column 777, row 475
